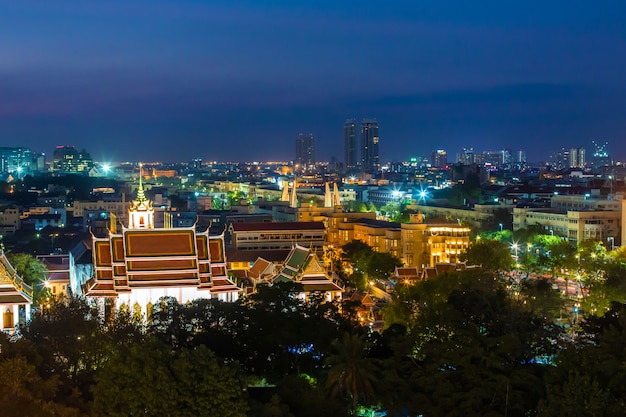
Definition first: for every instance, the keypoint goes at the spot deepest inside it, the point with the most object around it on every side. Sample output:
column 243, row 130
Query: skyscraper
column 439, row 159
column 349, row 143
column 305, row 149
column 369, row 146
column 577, row 158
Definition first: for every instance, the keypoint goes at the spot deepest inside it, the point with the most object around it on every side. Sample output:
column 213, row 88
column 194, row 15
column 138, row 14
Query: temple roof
column 303, row 266
column 155, row 258
column 13, row 290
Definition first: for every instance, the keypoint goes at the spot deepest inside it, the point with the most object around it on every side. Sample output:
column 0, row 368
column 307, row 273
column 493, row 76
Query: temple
column 15, row 297
column 302, row 266
column 141, row 263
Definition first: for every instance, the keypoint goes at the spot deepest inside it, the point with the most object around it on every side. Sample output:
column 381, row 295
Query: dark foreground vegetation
column 461, row 344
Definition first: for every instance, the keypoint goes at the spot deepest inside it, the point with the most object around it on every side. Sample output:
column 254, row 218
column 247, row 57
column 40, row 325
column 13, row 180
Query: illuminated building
column 302, row 266
column 15, row 297
column 439, row 159
column 66, row 159
column 59, row 267
column 577, row 158
column 576, row 218
column 305, row 149
column 350, row 146
column 426, row 244
column 16, row 161
column 141, row 263
column 369, row 146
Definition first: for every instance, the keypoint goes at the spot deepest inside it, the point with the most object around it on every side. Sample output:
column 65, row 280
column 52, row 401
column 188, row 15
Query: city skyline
column 166, row 80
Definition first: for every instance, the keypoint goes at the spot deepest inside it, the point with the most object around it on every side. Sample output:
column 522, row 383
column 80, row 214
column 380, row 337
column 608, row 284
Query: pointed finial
column 141, row 196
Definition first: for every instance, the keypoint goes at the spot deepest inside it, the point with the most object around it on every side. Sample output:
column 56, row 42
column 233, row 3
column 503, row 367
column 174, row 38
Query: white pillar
column 16, row 315
column 27, row 312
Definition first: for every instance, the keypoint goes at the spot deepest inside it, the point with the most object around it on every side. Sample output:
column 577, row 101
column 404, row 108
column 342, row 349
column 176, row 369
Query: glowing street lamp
column 612, row 240
column 500, row 224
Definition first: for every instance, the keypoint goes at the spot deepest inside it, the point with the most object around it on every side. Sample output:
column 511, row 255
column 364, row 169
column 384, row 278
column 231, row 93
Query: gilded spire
column 141, row 196
column 141, row 214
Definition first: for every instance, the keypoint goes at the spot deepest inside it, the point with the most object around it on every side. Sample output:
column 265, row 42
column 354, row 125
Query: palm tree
column 351, row 373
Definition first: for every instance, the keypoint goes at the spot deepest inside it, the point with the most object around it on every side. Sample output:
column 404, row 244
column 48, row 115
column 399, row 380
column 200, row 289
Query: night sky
column 238, row 80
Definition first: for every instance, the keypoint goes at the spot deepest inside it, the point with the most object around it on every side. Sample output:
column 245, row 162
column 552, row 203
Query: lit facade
column 427, row 244
column 141, row 263
column 370, row 158
column 576, row 218
column 350, row 145
column 15, row 297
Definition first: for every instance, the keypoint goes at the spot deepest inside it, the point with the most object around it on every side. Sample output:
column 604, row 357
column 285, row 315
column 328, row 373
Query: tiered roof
column 304, row 267
column 148, row 258
column 13, row 290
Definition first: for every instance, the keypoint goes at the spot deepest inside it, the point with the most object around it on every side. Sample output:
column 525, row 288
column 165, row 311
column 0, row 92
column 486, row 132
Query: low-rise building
column 277, row 236
column 576, row 218
column 427, row 243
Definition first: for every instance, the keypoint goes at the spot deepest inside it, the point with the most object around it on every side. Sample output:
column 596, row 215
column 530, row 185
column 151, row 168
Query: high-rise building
column 439, row 159
column 16, row 161
column 577, row 158
column 370, row 160
column 560, row 159
column 350, row 146
column 600, row 155
column 67, row 159
column 466, row 156
column 305, row 149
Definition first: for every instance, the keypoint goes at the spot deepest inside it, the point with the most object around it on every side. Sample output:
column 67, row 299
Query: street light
column 515, row 247
column 612, row 240
column 500, row 224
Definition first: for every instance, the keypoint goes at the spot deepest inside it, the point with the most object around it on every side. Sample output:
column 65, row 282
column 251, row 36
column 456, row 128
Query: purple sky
column 179, row 79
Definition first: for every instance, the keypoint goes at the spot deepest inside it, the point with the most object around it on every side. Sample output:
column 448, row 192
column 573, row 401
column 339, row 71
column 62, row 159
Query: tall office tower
column 600, row 155
column 560, row 159
column 520, row 157
column 369, row 146
column 507, row 158
column 15, row 160
column 305, row 149
column 466, row 156
column 577, row 158
column 349, row 143
column 196, row 163
column 439, row 159
column 493, row 158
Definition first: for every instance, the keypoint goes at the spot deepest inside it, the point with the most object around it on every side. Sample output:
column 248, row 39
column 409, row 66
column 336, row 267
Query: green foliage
column 32, row 271
column 354, row 206
column 493, row 255
column 149, row 379
column 471, row 348
column 352, row 374
column 589, row 378
column 24, row 393
column 368, row 263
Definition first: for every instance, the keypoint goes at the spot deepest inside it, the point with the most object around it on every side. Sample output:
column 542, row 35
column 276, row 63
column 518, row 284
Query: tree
column 152, row 380
column 31, row 270
column 351, row 374
column 492, row 255
column 589, row 377
column 71, row 340
column 24, row 393
column 470, row 349
column 381, row 265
